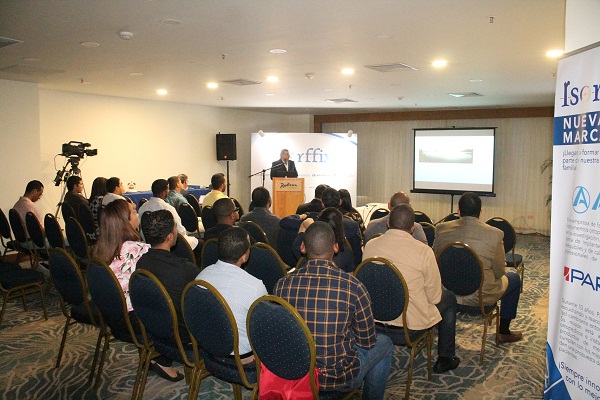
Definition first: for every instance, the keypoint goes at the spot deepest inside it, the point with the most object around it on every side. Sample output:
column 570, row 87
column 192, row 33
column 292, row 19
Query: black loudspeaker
column 226, row 149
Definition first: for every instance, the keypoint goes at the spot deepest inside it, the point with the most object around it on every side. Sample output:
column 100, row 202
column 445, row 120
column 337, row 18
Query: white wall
column 581, row 24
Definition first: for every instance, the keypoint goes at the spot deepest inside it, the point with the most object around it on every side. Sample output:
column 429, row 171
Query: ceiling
column 501, row 58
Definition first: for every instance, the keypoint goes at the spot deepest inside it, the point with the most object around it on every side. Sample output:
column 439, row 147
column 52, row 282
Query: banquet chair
column 39, row 246
column 78, row 242
column 67, row 211
column 429, row 230
column 6, row 238
column 182, row 249
column 86, row 220
column 160, row 327
column 285, row 241
column 378, row 213
column 210, row 254
column 208, row 217
column 255, row 231
column 215, row 335
column 420, row 216
column 449, row 217
column 115, row 321
column 389, row 300
column 239, row 206
column 54, row 233
column 189, row 219
column 17, row 282
column 142, row 201
column 462, row 273
column 265, row 264
column 24, row 244
column 513, row 260
column 193, row 202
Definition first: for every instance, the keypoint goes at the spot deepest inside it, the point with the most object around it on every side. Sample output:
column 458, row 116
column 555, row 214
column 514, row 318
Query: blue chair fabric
column 210, row 254
column 255, row 231
column 189, row 219
column 265, row 264
column 285, row 243
column 78, row 241
column 6, row 237
column 208, row 218
column 513, row 260
column 54, row 232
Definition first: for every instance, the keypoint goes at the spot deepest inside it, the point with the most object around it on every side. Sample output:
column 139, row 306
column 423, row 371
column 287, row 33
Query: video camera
column 77, row 149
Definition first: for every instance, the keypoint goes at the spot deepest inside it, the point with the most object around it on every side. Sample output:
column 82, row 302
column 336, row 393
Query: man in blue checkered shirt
column 337, row 310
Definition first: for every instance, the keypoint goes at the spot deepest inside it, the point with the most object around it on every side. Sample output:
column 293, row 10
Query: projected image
column 464, row 156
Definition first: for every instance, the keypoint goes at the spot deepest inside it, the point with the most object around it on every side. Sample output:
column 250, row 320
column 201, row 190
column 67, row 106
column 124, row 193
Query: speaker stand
column 227, row 178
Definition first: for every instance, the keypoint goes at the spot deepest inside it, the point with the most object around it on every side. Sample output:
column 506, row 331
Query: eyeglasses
column 237, row 210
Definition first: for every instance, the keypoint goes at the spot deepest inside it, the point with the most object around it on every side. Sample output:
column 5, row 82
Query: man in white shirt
column 160, row 188
column 218, row 184
column 114, row 190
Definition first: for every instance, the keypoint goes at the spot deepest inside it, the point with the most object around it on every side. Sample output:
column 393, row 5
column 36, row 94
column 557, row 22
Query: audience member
column 238, row 287
column 486, row 241
column 380, row 225
column 174, row 197
column 226, row 214
column 350, row 212
column 315, row 205
column 337, row 310
column 173, row 272
column 429, row 303
column 73, row 197
column 119, row 246
column 114, row 190
column 284, row 167
column 33, row 192
column 96, row 197
column 218, row 184
column 331, row 198
column 183, row 178
column 160, row 188
column 260, row 214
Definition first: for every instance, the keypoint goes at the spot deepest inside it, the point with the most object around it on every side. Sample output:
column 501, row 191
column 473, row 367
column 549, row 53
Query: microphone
column 278, row 165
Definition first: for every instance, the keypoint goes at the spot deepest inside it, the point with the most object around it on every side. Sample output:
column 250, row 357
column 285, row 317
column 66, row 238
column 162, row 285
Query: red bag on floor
column 272, row 387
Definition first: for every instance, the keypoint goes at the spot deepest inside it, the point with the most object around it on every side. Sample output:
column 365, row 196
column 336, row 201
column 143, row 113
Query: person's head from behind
column 183, row 178
column 75, row 184
column 159, row 228
column 34, row 190
column 402, row 217
column 331, row 198
column 261, row 197
column 397, row 199
column 218, row 182
column 98, row 187
column 233, row 246
column 346, row 200
column 319, row 191
column 174, row 183
column 333, row 217
column 469, row 205
column 319, row 242
column 225, row 211
column 160, row 188
column 118, row 224
column 114, row 185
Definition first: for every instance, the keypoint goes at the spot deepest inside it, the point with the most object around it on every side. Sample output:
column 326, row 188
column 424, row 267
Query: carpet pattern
column 29, row 346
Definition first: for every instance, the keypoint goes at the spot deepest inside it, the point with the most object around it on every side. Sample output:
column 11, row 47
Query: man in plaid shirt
column 337, row 310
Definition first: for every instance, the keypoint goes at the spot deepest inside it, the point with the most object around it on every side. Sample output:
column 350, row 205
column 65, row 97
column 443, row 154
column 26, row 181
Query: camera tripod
column 63, row 175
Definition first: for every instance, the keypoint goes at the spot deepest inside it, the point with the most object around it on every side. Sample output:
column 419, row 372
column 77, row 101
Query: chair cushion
column 513, row 262
column 396, row 333
column 225, row 368
column 475, row 310
column 8, row 267
column 79, row 313
column 23, row 277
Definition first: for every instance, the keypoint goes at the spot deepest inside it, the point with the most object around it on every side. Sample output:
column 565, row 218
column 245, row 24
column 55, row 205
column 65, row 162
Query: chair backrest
column 189, row 219
column 460, row 269
column 86, row 219
column 67, row 211
column 265, row 264
column 510, row 236
column 239, row 206
column 210, row 253
column 420, row 216
column 67, row 277
column 429, row 230
column 193, row 202
column 182, row 249
column 4, row 228
column 208, row 217
column 379, row 213
column 449, row 217
column 141, row 202
column 281, row 340
column 386, row 287
column 255, row 231
column 153, row 305
column 209, row 319
column 35, row 230
column 54, row 232
column 285, row 241
column 76, row 237
column 17, row 225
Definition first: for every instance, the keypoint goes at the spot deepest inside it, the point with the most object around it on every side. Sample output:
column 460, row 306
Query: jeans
column 446, row 327
column 375, row 365
column 510, row 298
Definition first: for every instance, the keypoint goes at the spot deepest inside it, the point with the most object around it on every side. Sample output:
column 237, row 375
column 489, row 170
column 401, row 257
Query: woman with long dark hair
column 98, row 192
column 350, row 212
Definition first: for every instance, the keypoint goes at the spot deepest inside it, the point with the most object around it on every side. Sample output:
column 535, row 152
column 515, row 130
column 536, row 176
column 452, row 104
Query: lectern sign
column 285, row 186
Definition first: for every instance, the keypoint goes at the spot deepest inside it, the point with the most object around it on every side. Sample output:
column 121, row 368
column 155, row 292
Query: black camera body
column 77, row 149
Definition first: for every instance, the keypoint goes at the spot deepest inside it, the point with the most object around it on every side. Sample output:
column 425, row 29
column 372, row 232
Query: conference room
column 150, row 85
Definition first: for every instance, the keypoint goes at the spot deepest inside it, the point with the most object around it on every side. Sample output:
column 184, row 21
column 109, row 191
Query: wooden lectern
column 288, row 194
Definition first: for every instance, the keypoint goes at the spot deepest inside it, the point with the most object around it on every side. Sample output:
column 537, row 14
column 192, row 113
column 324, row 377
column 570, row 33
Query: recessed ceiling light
column 31, row 59
column 89, row 44
column 456, row 94
column 135, row 74
column 170, row 21
column 439, row 63
column 475, row 80
column 347, row 71
column 555, row 53
column 383, row 36
column 328, row 90
column 278, row 51
column 272, row 79
column 212, row 85
column 270, row 94
column 161, row 92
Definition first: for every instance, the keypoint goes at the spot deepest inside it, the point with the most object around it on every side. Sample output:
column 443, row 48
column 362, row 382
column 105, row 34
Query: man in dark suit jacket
column 315, row 205
column 486, row 241
column 284, row 167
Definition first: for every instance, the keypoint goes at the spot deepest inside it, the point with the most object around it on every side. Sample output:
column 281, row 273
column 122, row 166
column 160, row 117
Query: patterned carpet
column 29, row 345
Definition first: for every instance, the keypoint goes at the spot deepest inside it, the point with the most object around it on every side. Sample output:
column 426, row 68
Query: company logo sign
column 581, row 278
column 581, row 200
column 573, row 95
column 313, row 155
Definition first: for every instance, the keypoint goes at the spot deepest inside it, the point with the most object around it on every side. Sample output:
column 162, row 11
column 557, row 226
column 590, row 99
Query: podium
column 288, row 194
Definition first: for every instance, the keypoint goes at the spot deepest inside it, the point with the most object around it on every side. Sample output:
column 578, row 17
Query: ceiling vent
column 342, row 100
column 7, row 42
column 391, row 67
column 242, row 82
column 31, row 71
column 465, row 94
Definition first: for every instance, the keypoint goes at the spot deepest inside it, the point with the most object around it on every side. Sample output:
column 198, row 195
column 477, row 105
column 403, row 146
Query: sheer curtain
column 522, row 144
